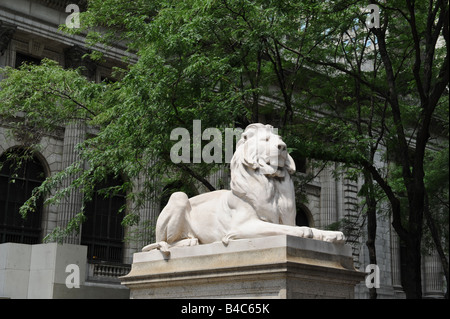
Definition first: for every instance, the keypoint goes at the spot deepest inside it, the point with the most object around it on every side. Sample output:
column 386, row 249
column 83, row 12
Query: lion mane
column 266, row 186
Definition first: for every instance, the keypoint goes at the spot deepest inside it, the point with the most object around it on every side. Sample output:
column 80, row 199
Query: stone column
column 351, row 214
column 433, row 278
column 395, row 261
column 71, row 205
column 74, row 134
column 327, row 198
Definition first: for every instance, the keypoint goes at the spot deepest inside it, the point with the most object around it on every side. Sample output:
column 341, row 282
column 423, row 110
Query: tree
column 338, row 90
column 413, row 83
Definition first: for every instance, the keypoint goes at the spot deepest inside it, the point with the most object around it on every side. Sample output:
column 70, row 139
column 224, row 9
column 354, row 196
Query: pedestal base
column 270, row 267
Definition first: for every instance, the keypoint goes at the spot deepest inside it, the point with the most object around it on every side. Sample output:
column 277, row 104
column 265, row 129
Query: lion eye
column 267, row 138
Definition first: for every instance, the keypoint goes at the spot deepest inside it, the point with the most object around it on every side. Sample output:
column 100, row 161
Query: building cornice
column 43, row 18
column 62, row 4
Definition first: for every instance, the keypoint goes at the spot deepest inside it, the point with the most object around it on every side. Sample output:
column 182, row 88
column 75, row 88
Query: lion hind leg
column 172, row 224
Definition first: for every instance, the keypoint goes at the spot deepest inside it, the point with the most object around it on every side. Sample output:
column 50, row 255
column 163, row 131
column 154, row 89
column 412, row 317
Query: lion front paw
column 304, row 232
column 328, row 235
column 334, row 237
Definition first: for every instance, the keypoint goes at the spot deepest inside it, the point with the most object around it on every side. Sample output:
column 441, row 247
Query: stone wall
column 41, row 272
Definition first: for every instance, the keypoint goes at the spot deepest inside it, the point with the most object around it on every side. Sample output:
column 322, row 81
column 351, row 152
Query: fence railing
column 104, row 272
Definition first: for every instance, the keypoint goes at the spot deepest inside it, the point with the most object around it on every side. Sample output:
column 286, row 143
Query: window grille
column 102, row 232
column 17, row 181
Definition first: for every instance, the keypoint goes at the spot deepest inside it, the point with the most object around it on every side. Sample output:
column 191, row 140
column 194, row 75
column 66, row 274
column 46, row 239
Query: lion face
column 265, row 151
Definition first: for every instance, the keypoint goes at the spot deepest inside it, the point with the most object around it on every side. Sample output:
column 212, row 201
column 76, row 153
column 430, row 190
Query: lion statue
column 261, row 201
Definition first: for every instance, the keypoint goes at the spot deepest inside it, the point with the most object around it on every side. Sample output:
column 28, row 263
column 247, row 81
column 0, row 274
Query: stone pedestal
column 271, row 267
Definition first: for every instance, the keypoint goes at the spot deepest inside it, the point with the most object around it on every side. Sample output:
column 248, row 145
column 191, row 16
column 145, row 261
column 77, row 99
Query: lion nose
column 282, row 146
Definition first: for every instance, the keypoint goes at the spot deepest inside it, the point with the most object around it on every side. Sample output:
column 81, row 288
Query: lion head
column 260, row 174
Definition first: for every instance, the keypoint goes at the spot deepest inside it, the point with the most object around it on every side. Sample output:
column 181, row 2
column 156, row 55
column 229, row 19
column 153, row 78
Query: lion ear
column 290, row 164
column 249, row 156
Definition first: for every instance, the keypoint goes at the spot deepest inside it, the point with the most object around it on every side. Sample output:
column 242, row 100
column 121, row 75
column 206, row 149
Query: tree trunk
column 411, row 276
column 371, row 225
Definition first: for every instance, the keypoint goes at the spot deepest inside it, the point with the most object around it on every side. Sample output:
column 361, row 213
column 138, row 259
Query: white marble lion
column 261, row 201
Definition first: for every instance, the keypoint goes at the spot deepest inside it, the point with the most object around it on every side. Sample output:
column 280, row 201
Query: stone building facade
column 28, row 32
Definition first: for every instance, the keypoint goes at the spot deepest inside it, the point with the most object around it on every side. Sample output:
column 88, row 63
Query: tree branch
column 64, row 95
column 201, row 179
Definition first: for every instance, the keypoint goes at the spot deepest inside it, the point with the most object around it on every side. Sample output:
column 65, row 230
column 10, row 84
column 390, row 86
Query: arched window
column 18, row 177
column 102, row 231
column 301, row 219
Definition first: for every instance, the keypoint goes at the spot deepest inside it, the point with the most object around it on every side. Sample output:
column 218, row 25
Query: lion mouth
column 277, row 167
column 277, row 162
